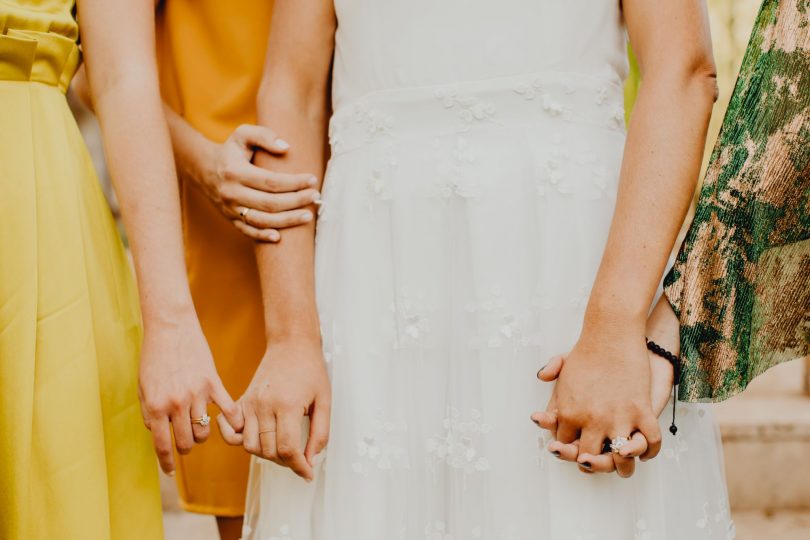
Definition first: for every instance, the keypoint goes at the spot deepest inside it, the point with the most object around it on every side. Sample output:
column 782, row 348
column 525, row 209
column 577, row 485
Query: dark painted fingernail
column 556, row 453
column 586, row 465
column 539, row 371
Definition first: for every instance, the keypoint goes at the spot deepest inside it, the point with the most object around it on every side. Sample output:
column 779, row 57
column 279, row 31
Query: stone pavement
column 751, row 525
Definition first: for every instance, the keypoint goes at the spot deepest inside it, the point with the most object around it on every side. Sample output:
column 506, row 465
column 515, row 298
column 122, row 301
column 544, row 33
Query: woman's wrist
column 199, row 164
column 297, row 330
column 167, row 312
column 663, row 326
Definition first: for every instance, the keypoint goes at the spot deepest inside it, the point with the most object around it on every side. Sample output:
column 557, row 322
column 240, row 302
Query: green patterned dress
column 741, row 283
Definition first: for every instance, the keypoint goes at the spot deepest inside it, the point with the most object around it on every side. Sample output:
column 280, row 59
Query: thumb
column 231, row 411
column 228, row 434
column 551, row 371
column 661, row 380
column 252, row 137
column 318, row 431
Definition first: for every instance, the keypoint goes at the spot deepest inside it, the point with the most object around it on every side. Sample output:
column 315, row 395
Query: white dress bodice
column 389, row 44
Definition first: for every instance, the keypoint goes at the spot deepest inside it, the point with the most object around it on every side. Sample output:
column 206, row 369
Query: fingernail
column 539, row 371
column 282, row 144
column 312, row 181
column 170, row 474
column 306, row 216
column 556, row 453
column 273, row 235
column 586, row 465
column 316, row 197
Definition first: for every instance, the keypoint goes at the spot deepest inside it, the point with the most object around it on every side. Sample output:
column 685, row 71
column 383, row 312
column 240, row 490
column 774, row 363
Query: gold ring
column 243, row 213
column 203, row 420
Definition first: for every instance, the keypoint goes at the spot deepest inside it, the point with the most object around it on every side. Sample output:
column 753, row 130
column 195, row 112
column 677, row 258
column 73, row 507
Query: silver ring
column 617, row 443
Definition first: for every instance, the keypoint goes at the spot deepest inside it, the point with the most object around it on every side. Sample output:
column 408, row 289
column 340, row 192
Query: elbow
column 701, row 74
column 693, row 75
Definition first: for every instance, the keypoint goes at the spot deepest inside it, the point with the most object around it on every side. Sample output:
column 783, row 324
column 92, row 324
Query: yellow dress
column 211, row 55
column 76, row 462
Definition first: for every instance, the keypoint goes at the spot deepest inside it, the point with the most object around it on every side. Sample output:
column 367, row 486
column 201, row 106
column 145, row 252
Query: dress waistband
column 528, row 99
column 28, row 55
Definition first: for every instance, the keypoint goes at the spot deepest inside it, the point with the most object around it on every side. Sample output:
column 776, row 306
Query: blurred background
column 766, row 431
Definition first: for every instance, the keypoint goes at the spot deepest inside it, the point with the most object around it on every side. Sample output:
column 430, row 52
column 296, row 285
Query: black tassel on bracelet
column 676, row 367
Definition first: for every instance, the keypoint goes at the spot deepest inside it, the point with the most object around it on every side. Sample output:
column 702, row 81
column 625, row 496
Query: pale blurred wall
column 731, row 23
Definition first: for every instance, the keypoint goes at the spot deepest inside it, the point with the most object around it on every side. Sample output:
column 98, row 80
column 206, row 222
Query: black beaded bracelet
column 676, row 367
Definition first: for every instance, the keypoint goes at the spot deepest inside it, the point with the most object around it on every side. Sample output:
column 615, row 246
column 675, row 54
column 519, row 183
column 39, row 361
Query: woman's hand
column 257, row 201
column 290, row 384
column 177, row 382
column 604, row 392
column 663, row 328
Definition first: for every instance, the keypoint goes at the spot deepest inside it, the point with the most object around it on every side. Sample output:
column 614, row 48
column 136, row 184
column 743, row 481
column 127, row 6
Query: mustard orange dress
column 211, row 56
column 76, row 462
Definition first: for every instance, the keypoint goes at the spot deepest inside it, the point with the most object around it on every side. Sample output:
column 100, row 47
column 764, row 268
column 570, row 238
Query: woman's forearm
column 192, row 149
column 138, row 152
column 286, row 269
column 294, row 96
column 661, row 164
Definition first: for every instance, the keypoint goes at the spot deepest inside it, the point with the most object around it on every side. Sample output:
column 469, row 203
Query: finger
column 199, row 410
column 144, row 412
column 250, row 434
column 251, row 136
column 264, row 180
column 228, row 434
column 252, row 197
column 625, row 467
column 596, row 463
column 232, row 411
column 267, row 441
column 318, row 431
column 592, row 441
column 551, row 371
column 288, row 445
column 268, row 436
column 183, row 435
column 162, row 439
column 635, row 447
column 545, row 420
column 565, row 452
column 280, row 220
column 260, row 235
column 651, row 431
column 566, row 432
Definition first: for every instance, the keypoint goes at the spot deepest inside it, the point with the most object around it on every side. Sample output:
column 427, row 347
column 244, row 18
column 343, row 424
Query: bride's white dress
column 476, row 147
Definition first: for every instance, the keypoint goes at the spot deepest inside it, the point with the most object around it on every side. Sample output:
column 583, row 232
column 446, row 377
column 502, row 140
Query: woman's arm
column 177, row 374
column 291, row 380
column 604, row 388
column 225, row 174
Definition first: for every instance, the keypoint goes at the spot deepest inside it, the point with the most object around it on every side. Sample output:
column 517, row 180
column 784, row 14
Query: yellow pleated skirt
column 75, row 458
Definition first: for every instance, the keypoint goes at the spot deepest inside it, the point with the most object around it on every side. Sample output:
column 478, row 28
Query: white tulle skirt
column 460, row 234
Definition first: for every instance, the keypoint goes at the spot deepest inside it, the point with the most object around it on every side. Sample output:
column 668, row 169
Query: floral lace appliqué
column 470, row 109
column 457, row 446
column 378, row 449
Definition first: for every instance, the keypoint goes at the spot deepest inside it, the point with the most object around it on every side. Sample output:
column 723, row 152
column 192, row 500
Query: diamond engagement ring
column 204, row 420
column 617, row 443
